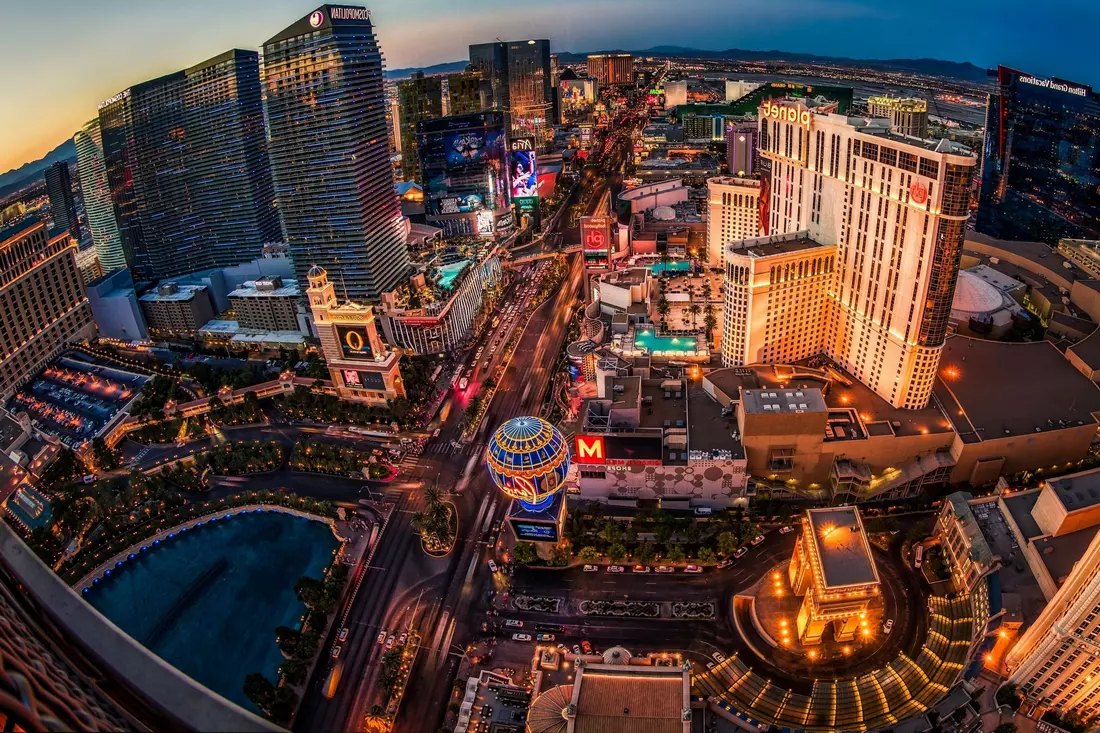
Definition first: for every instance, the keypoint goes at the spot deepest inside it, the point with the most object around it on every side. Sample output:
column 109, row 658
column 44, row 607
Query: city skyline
column 162, row 40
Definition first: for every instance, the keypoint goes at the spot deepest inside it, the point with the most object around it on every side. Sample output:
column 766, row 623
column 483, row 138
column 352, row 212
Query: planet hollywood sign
column 783, row 113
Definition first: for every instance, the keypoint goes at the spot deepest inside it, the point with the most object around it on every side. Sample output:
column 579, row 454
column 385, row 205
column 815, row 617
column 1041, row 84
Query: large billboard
column 355, row 379
column 535, row 531
column 354, row 342
column 523, row 167
column 596, row 240
column 471, row 147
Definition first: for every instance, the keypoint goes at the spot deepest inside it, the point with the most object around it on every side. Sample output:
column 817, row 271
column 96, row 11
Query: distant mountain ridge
column 25, row 174
column 447, row 67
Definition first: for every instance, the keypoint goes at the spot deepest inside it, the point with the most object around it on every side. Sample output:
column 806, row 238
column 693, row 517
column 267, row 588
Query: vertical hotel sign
column 523, row 175
column 596, row 240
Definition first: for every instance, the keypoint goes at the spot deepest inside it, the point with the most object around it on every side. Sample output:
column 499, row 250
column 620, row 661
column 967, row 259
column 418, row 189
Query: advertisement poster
column 535, row 532
column 354, row 342
column 470, row 147
column 355, row 379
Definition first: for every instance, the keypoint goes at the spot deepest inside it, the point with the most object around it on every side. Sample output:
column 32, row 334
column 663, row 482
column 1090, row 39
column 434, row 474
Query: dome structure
column 974, row 297
column 528, row 460
column 316, row 273
column 664, row 213
column 617, row 655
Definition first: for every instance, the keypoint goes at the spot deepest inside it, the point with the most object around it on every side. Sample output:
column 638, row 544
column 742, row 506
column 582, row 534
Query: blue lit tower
column 528, row 459
column 330, row 151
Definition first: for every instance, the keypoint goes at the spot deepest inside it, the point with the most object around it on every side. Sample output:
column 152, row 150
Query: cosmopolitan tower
column 330, row 151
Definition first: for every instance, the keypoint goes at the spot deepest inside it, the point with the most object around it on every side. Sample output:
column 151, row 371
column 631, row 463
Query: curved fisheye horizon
column 506, row 367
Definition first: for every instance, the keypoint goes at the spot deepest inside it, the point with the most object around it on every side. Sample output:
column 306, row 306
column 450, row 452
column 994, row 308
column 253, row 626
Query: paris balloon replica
column 528, row 460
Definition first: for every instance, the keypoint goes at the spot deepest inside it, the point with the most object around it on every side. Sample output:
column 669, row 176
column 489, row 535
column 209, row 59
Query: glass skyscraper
column 517, row 79
column 1041, row 166
column 330, row 152
column 419, row 98
column 187, row 167
column 98, row 211
column 59, row 187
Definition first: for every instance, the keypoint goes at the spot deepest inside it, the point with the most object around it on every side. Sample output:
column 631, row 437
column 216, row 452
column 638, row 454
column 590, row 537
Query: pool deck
column 100, row 571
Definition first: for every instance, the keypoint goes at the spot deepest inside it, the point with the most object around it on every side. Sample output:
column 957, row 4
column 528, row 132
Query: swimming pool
column 654, row 344
column 675, row 266
column 208, row 601
column 448, row 273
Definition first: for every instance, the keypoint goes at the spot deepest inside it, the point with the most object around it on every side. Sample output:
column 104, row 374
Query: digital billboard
column 535, row 532
column 356, row 379
column 472, row 146
column 523, row 168
column 596, row 240
column 354, row 342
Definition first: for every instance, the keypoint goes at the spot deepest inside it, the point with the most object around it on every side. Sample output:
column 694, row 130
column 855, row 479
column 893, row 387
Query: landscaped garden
column 437, row 524
column 336, row 459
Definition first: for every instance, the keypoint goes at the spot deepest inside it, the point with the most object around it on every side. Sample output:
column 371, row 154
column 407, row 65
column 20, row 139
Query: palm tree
column 693, row 310
column 377, row 720
column 663, row 309
column 433, row 495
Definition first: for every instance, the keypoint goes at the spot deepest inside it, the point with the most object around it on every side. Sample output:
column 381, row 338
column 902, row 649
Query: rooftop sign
column 1058, row 86
column 785, row 113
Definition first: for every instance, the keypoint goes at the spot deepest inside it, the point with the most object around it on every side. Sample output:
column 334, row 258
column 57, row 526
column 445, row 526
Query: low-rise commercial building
column 173, row 310
column 268, row 304
column 965, row 550
column 115, row 307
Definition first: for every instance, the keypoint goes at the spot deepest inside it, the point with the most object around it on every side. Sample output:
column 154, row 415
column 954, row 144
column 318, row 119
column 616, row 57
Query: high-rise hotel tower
column 330, row 152
column 895, row 208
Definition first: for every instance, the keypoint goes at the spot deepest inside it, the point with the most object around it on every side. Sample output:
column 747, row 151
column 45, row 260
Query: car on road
column 710, row 665
column 757, row 540
column 718, row 657
column 586, row 646
column 403, row 638
column 640, row 569
column 343, row 635
column 786, row 530
column 336, row 651
column 521, row 637
column 381, row 637
column 693, row 569
column 616, row 569
column 725, row 563
column 513, row 623
column 665, row 569
column 492, row 566
column 436, row 432
column 390, row 640
column 741, row 553
column 888, row 626
column 576, row 648
column 546, row 637
column 591, row 568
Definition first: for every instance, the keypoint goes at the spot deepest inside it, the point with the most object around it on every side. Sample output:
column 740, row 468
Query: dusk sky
column 62, row 57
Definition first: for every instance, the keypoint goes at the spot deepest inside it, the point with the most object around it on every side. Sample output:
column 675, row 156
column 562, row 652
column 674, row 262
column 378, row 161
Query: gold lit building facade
column 363, row 369
column 834, row 572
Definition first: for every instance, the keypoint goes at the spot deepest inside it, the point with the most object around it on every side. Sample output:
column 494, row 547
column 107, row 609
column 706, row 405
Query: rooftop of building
column 880, row 129
column 775, row 401
column 179, row 292
column 989, row 389
column 841, row 545
column 616, row 699
column 1019, row 506
column 979, row 549
column 734, row 181
column 1088, row 350
column 257, row 289
column 1060, row 554
column 780, row 244
column 710, row 430
column 225, row 329
column 843, row 395
column 18, row 228
column 627, row 277
column 1077, row 491
column 1038, row 254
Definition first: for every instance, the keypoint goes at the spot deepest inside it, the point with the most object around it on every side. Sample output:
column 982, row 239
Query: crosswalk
column 448, row 448
column 141, row 454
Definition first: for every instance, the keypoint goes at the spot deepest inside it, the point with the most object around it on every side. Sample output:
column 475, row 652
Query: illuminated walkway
column 901, row 689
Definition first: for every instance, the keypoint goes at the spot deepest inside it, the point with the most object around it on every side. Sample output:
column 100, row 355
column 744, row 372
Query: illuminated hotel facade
column 896, row 209
column 1056, row 662
column 733, row 214
column 42, row 302
column 611, row 69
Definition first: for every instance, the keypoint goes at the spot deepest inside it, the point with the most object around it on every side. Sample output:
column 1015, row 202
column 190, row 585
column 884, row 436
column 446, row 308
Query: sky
column 62, row 57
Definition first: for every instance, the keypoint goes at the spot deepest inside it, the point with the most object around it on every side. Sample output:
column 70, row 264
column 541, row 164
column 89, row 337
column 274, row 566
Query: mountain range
column 26, row 174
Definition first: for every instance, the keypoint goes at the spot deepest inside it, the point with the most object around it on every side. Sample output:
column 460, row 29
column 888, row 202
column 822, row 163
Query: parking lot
column 1016, row 576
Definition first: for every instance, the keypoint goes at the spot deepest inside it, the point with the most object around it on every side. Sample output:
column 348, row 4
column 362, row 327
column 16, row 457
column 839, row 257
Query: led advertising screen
column 461, row 204
column 354, row 342
column 535, row 532
column 356, row 379
column 596, row 240
column 472, row 146
column 523, row 168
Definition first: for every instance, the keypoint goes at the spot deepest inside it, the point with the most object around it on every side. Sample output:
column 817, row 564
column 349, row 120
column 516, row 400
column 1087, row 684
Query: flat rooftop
column 776, row 401
column 989, row 389
column 841, row 544
column 1020, row 506
column 1077, row 491
column 1060, row 554
column 182, row 293
column 248, row 289
column 709, row 431
column 631, row 700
